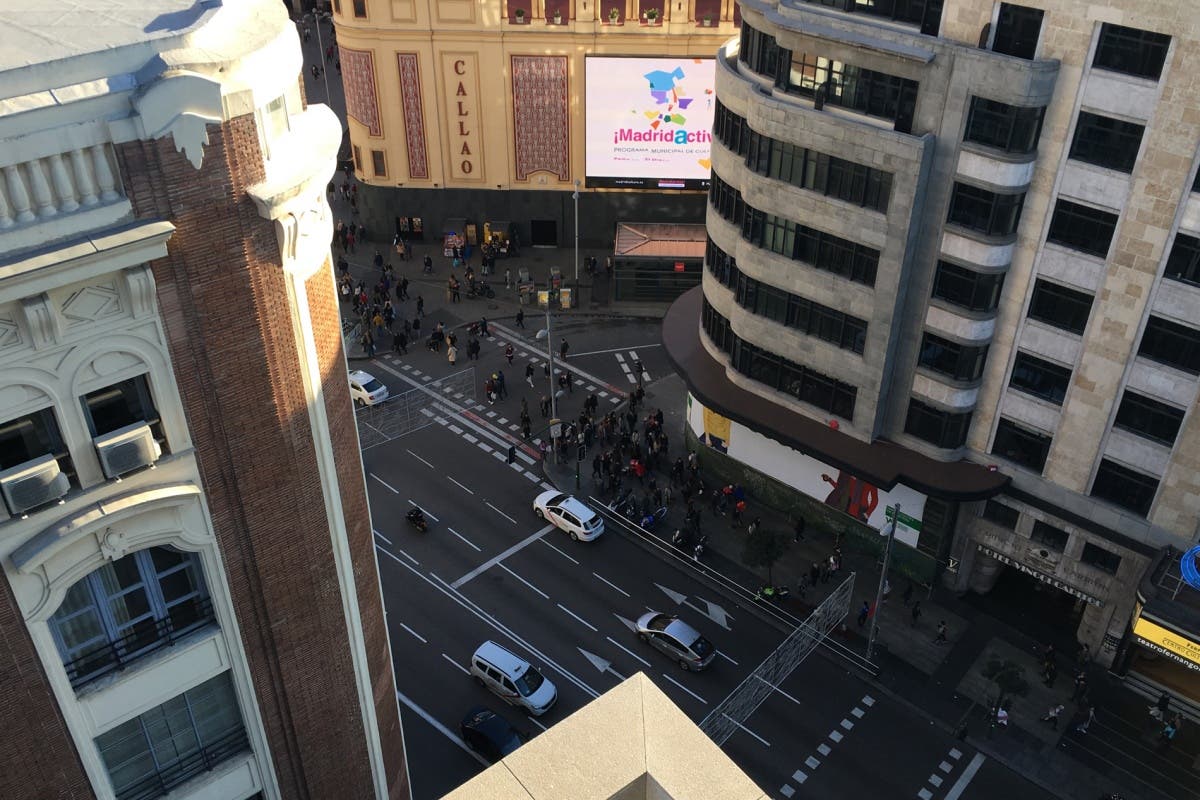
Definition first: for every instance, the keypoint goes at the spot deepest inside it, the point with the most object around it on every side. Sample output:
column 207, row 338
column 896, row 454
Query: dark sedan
column 489, row 734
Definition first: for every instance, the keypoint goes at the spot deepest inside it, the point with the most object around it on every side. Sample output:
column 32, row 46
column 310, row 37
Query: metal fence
column 743, row 701
column 405, row 412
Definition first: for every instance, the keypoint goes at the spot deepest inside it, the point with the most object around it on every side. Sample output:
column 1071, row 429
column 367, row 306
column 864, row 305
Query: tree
column 763, row 548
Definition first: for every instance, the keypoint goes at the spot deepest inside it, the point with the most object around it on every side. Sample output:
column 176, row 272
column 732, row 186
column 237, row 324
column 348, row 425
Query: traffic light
column 512, row 454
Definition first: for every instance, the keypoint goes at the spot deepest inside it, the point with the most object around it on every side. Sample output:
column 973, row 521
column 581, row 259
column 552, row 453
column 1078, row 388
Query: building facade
column 189, row 602
column 954, row 254
column 476, row 109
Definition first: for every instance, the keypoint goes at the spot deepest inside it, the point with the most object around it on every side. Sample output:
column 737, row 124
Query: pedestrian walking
column 753, row 526
column 403, row 288
column 863, row 613
column 1080, row 685
column 529, row 374
column 1052, row 715
column 420, row 306
column 916, row 613
column 941, row 633
column 525, row 427
column 798, row 529
column 544, row 406
column 1088, row 718
column 520, row 318
column 738, row 508
column 451, row 354
column 508, row 353
column 400, row 343
column 563, row 347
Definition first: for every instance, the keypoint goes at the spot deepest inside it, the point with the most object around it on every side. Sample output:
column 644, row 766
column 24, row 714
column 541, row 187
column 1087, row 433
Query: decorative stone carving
column 62, row 183
column 541, row 115
column 18, row 196
column 42, row 320
column 92, row 304
column 83, row 178
column 139, row 283
column 41, row 188
column 114, row 544
column 10, row 334
column 414, row 114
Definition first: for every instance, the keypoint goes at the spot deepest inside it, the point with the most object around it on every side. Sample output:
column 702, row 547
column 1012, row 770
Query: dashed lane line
column 459, row 485
column 522, row 580
column 440, row 728
column 385, row 483
column 469, row 543
column 415, row 635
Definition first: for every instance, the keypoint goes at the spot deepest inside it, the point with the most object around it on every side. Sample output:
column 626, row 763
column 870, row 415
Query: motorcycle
column 416, row 518
column 698, row 550
column 481, row 289
column 772, row 594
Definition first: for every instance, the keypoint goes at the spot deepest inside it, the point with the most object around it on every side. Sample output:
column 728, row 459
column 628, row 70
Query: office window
column 360, row 8
column 1149, row 418
column 818, row 172
column 974, row 291
column 1082, row 228
column 759, row 51
column 186, row 736
column 803, row 383
column 835, row 83
column 1003, row 515
column 983, row 211
column 1106, row 142
column 717, row 328
column 807, row 316
column 926, row 13
column 958, row 361
column 1050, row 537
column 1172, row 344
column 32, row 436
column 119, row 405
column 1131, row 51
column 128, row 608
column 1059, row 306
column 1184, row 262
column 722, row 265
column 731, row 129
column 1013, row 129
column 1124, row 487
column 1040, row 378
column 944, row 429
column 1017, row 30
column 1101, row 559
column 1021, row 445
column 378, row 164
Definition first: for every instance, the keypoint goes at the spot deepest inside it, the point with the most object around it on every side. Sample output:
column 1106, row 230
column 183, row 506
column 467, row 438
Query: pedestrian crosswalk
column 630, row 367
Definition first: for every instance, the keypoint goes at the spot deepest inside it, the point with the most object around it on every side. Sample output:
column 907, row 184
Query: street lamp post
column 321, row 56
column 544, row 333
column 887, row 558
column 575, row 197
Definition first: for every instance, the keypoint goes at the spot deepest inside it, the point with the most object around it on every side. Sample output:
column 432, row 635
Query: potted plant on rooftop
column 614, row 15
column 520, row 15
column 706, row 21
column 558, row 16
column 652, row 15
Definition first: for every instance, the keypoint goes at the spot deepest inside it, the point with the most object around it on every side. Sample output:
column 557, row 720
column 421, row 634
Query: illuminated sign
column 1169, row 643
column 1187, row 567
column 1043, row 577
column 649, row 122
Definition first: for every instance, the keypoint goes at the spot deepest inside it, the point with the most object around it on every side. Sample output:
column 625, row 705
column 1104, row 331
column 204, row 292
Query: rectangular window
column 966, row 288
column 1101, row 559
column 1013, row 129
column 1124, row 487
column 174, row 742
column 835, row 83
column 1050, row 537
column 119, row 405
column 1149, row 418
column 958, row 361
column 1021, row 445
column 940, row 428
column 1184, row 262
column 1040, row 378
column 378, row 164
column 1003, row 515
column 1059, row 306
column 1106, row 142
column 1172, row 344
column 1082, row 228
column 803, row 383
column 759, row 51
column 983, row 211
column 360, row 8
column 1131, row 51
column 30, row 437
column 357, row 158
column 1017, row 30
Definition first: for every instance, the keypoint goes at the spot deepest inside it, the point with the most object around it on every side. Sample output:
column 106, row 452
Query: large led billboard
column 648, row 122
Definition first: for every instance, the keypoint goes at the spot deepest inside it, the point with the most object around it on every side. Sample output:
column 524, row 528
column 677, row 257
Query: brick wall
column 40, row 760
column 223, row 297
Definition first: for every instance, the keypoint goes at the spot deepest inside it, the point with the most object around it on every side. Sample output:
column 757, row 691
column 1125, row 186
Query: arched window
column 128, row 608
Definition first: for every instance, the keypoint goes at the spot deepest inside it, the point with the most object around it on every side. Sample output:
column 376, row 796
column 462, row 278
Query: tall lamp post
column 321, row 55
column 544, row 333
column 575, row 197
column 887, row 558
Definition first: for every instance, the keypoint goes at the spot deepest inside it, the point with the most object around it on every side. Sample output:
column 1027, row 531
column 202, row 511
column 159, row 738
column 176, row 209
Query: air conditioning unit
column 32, row 484
column 127, row 449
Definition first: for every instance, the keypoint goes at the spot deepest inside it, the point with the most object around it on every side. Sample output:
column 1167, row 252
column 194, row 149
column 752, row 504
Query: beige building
column 954, row 259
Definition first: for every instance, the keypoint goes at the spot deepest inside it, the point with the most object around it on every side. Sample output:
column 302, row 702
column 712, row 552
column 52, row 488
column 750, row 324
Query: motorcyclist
column 416, row 516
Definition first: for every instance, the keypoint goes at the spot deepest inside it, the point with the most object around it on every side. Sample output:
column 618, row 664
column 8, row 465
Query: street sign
column 555, row 428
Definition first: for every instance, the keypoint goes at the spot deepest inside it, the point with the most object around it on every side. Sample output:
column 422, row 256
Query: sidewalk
column 947, row 682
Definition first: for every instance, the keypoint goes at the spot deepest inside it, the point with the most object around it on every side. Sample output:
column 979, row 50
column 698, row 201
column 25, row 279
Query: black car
column 490, row 734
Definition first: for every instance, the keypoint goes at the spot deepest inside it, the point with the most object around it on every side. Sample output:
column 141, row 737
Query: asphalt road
column 489, row 569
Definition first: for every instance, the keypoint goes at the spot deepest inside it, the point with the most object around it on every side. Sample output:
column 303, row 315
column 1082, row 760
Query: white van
column 512, row 679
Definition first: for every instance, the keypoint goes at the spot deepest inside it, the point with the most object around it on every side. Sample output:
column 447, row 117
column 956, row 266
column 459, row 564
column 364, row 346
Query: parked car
column 513, row 679
column 568, row 514
column 489, row 734
column 677, row 639
column 366, row 390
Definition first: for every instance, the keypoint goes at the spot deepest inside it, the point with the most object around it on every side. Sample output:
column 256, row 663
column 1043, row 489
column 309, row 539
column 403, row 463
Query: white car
column 366, row 390
column 568, row 514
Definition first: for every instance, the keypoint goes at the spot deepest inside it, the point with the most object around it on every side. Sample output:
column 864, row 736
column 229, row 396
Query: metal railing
column 187, row 767
column 409, row 411
column 144, row 639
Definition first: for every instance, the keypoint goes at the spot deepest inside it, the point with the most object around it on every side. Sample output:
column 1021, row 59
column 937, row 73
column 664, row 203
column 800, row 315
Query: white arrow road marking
column 628, row 623
column 599, row 663
column 716, row 613
column 713, row 611
column 678, row 597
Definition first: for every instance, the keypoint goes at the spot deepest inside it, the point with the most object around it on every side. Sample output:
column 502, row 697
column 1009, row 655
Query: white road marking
column 955, row 753
column 945, row 767
column 457, row 665
column 547, row 487
column 576, row 616
column 925, row 794
column 836, row 736
column 414, row 633
column 727, row 658
column 385, row 483
column 610, row 583
column 847, row 724
column 424, row 511
column 466, row 540
column 522, row 580
column 965, row 779
column 501, row 513
column 440, row 728
column 613, row 350
column 454, row 429
column 630, row 652
column 799, row 777
column 426, row 463
column 824, row 749
column 936, row 780
column 560, row 552
column 529, row 475
column 381, row 536
column 857, row 712
column 747, row 730
column 868, row 701
column 786, row 790
column 459, row 485
column 684, row 688
column 812, row 762
column 535, row 722
column 485, row 448
column 491, row 562
column 469, row 438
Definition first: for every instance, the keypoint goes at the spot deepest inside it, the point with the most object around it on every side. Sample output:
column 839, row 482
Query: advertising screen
column 648, row 122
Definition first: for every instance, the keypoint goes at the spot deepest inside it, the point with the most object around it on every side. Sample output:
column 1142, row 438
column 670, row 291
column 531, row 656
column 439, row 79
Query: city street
column 487, row 568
